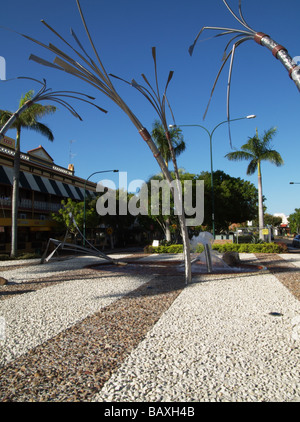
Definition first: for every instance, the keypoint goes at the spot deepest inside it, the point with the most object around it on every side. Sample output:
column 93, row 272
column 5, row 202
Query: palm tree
column 28, row 119
column 161, row 141
column 257, row 150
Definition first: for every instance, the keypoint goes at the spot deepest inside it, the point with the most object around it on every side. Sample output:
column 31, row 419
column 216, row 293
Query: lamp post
column 84, row 217
column 210, row 134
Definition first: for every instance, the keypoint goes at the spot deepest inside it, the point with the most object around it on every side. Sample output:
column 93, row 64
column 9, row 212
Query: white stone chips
column 225, row 338
column 33, row 318
column 221, row 340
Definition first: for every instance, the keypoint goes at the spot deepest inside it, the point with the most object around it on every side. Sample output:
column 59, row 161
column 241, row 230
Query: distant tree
column 71, row 209
column 269, row 220
column 294, row 221
column 235, row 200
column 162, row 143
column 255, row 151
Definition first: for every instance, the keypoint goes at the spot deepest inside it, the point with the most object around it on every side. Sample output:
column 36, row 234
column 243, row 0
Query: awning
column 44, row 185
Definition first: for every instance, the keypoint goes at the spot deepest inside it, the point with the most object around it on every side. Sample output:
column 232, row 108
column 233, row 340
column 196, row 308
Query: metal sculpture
column 95, row 74
column 46, row 94
column 63, row 245
column 239, row 37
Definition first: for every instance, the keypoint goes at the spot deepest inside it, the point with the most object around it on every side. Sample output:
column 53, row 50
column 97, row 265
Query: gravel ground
column 40, row 313
column 225, row 338
column 144, row 336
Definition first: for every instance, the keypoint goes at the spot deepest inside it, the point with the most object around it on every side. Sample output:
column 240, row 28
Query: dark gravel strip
column 287, row 273
column 74, row 365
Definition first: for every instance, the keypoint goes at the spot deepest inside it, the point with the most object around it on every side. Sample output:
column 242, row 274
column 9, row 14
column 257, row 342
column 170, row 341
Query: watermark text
column 153, row 198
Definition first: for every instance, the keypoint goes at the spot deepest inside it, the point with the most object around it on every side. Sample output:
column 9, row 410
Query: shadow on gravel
column 14, row 293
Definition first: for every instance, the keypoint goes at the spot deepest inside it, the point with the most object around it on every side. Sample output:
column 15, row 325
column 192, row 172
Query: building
column 284, row 228
column 43, row 185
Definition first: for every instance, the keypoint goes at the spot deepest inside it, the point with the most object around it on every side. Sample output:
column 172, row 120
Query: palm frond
column 42, row 129
column 268, row 135
column 273, row 157
column 252, row 166
column 257, row 150
column 239, row 156
column 29, row 105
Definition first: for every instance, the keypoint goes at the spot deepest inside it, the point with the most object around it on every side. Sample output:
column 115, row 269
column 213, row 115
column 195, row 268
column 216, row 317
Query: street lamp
column 210, row 134
column 84, row 218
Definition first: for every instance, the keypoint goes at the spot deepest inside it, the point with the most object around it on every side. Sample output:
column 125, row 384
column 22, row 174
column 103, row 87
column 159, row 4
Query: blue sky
column 124, row 32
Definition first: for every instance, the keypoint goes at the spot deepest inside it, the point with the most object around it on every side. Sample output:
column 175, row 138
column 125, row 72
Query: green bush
column 251, row 247
column 164, row 249
column 240, row 247
column 29, row 255
column 4, row 257
column 25, row 255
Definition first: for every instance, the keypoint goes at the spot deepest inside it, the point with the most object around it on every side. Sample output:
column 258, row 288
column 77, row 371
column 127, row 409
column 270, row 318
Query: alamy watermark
column 2, row 69
column 154, row 198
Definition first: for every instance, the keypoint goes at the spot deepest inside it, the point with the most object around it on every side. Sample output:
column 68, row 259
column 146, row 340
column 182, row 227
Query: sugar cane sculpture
column 95, row 74
column 238, row 38
column 46, row 94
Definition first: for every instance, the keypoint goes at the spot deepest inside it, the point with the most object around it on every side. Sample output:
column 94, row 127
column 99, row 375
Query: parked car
column 296, row 241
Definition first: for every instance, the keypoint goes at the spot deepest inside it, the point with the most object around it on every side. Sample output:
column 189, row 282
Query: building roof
column 39, row 173
column 40, row 153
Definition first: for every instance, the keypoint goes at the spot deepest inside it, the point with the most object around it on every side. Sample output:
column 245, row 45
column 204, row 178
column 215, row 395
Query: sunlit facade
column 43, row 185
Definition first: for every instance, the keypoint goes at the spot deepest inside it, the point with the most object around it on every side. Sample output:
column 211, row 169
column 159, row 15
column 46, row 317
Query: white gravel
column 33, row 318
column 292, row 258
column 34, row 269
column 217, row 342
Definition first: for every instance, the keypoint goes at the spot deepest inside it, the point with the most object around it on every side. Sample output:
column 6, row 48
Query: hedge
column 236, row 247
column 27, row 255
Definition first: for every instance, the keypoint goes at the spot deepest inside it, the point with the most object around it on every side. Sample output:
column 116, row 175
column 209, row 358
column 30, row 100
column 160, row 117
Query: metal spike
column 236, row 17
column 106, row 77
column 80, row 45
column 43, row 62
column 242, row 17
column 217, row 28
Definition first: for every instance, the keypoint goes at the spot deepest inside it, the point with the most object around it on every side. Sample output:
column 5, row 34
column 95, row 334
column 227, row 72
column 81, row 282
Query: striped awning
column 44, row 185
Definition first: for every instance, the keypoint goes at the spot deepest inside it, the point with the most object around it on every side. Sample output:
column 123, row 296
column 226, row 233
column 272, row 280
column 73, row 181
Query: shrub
column 235, row 247
column 283, row 246
column 29, row 255
column 164, row 249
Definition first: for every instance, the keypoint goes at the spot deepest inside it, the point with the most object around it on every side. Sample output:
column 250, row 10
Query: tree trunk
column 181, row 216
column 168, row 231
column 260, row 203
column 15, row 199
column 15, row 192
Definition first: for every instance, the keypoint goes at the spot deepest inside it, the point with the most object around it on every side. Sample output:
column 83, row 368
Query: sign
column 265, row 231
column 8, row 142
